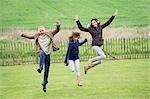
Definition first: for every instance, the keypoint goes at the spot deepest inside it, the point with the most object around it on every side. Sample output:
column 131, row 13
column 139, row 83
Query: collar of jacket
column 36, row 36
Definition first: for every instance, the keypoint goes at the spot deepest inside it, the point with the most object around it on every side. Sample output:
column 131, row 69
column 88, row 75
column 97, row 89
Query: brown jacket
column 36, row 36
column 96, row 33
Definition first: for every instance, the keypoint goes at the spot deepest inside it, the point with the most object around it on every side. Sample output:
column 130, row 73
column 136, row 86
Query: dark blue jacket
column 73, row 50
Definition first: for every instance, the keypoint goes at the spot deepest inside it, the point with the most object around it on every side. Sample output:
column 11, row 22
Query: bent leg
column 42, row 57
column 99, row 52
column 96, row 60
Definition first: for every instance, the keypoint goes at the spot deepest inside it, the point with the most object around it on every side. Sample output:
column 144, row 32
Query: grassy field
column 32, row 13
column 123, row 79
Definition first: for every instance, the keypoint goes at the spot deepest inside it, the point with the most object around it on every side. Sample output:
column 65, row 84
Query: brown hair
column 41, row 27
column 98, row 23
column 74, row 35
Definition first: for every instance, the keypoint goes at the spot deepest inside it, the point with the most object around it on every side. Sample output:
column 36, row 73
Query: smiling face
column 42, row 29
column 94, row 23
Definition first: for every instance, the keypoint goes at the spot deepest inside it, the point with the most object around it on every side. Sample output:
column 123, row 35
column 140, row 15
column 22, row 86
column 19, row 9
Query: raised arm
column 110, row 20
column 81, row 43
column 57, row 28
column 80, row 26
column 26, row 36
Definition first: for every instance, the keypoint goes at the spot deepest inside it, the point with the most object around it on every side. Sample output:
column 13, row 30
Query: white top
column 45, row 43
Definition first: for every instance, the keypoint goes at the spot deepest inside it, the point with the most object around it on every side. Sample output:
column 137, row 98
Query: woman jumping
column 95, row 30
column 72, row 55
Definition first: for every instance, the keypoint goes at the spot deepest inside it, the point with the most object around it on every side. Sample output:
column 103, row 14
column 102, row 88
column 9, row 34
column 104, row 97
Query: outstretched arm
column 57, row 28
column 110, row 20
column 80, row 26
column 26, row 36
column 81, row 43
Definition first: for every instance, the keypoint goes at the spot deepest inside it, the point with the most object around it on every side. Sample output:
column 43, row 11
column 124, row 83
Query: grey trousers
column 99, row 56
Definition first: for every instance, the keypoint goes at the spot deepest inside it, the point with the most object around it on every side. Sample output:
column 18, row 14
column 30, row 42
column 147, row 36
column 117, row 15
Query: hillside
column 32, row 13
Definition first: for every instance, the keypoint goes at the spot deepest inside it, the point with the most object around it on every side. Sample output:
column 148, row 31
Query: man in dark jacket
column 96, row 31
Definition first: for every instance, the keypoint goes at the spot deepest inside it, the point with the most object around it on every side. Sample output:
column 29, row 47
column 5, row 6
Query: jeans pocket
column 40, row 53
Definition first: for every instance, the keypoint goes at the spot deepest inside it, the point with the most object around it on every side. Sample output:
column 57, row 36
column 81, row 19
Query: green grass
column 32, row 13
column 123, row 79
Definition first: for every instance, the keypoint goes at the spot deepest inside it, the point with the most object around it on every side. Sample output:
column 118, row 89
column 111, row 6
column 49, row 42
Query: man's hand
column 77, row 18
column 39, row 33
column 115, row 13
column 21, row 34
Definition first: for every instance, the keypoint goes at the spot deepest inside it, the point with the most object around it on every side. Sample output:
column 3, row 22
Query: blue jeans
column 44, row 60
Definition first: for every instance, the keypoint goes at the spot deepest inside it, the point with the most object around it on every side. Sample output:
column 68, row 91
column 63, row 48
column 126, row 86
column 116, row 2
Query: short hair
column 41, row 27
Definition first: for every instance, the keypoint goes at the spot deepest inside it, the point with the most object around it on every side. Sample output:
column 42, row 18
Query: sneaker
column 44, row 87
column 90, row 62
column 79, row 84
column 39, row 70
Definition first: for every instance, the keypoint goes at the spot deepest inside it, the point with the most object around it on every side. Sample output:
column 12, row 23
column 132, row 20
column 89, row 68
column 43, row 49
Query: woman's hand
column 115, row 13
column 77, row 18
column 66, row 63
column 86, row 39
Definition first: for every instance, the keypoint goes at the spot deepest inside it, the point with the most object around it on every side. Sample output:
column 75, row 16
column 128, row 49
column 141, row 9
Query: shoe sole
column 85, row 70
column 79, row 85
column 39, row 71
column 44, row 88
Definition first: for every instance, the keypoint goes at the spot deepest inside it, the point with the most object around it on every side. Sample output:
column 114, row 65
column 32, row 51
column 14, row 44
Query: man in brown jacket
column 45, row 45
